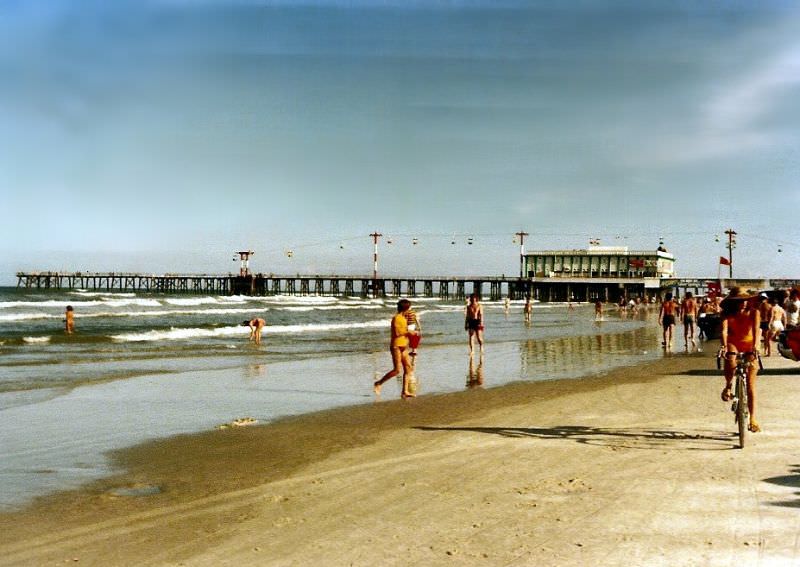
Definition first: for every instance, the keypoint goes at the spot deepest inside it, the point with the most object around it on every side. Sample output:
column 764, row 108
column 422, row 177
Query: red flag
column 724, row 261
column 637, row 263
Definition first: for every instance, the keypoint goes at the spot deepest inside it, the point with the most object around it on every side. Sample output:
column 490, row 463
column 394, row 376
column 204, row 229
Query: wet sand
column 635, row 467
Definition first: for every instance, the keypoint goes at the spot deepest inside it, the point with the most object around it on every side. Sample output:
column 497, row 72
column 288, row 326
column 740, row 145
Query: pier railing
column 443, row 287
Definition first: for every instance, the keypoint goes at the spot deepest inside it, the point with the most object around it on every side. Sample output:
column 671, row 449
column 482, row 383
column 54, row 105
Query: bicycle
column 739, row 407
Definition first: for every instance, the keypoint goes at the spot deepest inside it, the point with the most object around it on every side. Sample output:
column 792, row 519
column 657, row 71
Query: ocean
column 142, row 366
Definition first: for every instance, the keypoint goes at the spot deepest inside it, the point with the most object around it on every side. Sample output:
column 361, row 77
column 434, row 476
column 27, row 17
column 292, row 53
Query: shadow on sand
column 764, row 372
column 627, row 438
column 790, row 480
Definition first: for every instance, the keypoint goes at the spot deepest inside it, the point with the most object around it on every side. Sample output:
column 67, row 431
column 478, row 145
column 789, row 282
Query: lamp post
column 731, row 243
column 375, row 236
column 522, row 234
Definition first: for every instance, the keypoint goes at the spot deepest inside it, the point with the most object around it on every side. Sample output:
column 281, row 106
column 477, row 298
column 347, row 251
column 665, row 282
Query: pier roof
column 601, row 251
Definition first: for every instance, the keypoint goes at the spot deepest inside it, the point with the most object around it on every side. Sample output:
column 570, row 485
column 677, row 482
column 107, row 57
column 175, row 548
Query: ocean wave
column 84, row 293
column 189, row 301
column 175, row 333
column 306, row 308
column 142, row 302
column 319, row 327
column 151, row 313
column 29, row 316
column 36, row 340
column 299, row 299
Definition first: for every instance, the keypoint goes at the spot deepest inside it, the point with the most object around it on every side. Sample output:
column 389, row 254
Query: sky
column 162, row 136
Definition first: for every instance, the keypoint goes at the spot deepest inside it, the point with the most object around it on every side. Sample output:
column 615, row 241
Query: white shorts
column 776, row 326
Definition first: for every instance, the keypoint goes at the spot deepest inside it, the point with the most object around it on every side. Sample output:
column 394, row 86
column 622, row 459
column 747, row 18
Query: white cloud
column 734, row 120
column 753, row 95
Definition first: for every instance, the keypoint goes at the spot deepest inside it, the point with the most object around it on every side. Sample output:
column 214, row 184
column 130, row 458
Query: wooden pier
column 442, row 287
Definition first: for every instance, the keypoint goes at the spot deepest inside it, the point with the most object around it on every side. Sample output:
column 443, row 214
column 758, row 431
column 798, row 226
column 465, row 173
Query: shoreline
column 634, row 466
column 201, row 465
column 45, row 453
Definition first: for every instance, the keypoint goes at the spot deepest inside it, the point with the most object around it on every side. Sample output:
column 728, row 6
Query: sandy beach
column 636, row 467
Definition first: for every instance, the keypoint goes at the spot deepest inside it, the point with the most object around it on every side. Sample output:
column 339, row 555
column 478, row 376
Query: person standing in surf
column 473, row 322
column 69, row 320
column 256, row 325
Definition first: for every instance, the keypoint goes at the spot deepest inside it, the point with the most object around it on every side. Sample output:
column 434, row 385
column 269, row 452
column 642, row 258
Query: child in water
column 69, row 320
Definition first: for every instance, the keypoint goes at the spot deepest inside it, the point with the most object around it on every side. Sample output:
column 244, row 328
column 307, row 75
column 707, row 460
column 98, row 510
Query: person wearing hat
column 741, row 332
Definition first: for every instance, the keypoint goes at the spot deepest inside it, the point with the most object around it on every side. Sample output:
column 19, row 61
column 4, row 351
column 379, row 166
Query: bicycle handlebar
column 738, row 355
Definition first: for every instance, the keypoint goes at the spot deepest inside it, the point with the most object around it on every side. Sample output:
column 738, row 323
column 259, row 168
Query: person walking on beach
column 69, row 320
column 256, row 325
column 473, row 322
column 666, row 318
column 528, row 310
column 764, row 309
column 598, row 310
column 775, row 324
column 741, row 330
column 689, row 310
column 398, row 348
column 792, row 308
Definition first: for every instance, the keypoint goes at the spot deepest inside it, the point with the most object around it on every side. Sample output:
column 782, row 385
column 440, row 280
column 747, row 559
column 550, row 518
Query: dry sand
column 637, row 467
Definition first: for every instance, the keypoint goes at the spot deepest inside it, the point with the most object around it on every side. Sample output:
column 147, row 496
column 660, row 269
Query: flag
column 636, row 263
column 724, row 261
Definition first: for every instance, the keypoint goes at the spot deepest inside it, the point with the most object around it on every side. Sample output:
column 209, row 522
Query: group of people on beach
column 405, row 334
column 750, row 323
column 670, row 311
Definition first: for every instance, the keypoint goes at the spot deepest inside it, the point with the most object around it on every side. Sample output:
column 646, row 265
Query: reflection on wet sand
column 566, row 355
column 475, row 374
column 253, row 371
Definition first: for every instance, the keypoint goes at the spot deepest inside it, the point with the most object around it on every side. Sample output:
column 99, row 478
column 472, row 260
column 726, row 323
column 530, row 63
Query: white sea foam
column 122, row 302
column 299, row 299
column 189, row 301
column 221, row 311
column 36, row 340
column 84, row 293
column 175, row 333
column 301, row 308
column 28, row 316
column 319, row 327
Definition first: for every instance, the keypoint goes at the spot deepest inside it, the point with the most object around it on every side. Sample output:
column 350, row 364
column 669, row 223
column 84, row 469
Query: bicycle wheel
column 741, row 406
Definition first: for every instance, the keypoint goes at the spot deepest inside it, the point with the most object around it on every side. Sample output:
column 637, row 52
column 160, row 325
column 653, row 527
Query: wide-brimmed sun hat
column 736, row 294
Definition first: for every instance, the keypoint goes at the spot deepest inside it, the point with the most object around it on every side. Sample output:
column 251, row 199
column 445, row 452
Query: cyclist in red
column 741, row 332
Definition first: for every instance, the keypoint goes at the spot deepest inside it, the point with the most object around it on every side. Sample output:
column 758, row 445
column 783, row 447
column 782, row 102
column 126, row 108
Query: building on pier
column 598, row 272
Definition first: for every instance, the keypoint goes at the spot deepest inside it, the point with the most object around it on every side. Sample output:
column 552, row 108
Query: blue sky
column 163, row 135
